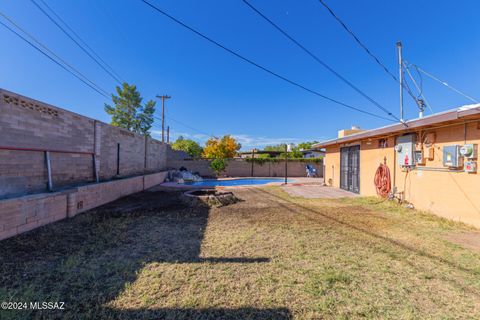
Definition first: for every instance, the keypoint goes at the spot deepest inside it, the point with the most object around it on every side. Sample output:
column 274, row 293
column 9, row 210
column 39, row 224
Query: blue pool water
column 235, row 182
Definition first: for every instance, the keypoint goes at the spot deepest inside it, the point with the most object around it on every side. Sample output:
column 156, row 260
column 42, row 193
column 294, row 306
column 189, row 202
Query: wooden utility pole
column 164, row 97
column 168, row 134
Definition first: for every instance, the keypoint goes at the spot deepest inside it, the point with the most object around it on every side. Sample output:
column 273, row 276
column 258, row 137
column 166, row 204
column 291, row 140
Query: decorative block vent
column 30, row 105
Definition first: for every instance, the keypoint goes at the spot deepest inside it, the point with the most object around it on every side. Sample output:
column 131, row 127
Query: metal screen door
column 350, row 168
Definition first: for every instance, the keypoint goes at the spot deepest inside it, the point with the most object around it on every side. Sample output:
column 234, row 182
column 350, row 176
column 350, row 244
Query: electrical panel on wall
column 405, row 148
column 452, row 157
column 419, row 158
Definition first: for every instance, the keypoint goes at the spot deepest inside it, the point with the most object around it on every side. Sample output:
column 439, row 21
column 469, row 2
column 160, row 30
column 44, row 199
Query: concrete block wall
column 29, row 123
column 37, row 126
column 29, row 212
column 22, row 172
column 154, row 149
column 154, row 179
column 243, row 168
column 94, row 195
column 132, row 152
column 198, row 165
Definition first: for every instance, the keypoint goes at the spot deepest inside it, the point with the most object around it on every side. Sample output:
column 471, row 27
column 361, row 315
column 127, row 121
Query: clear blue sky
column 217, row 93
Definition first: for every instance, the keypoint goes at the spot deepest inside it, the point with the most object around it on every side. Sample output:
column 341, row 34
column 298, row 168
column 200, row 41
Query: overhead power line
column 420, row 91
column 360, row 43
column 52, row 56
column 259, row 66
column 72, row 68
column 317, row 59
column 365, row 48
column 81, row 40
column 87, row 82
column 185, row 125
column 443, row 82
column 190, row 127
column 111, row 74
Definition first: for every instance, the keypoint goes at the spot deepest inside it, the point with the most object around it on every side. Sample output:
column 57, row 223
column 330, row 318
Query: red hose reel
column 382, row 181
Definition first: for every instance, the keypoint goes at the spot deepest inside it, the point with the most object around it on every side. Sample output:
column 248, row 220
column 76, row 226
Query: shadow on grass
column 88, row 261
column 224, row 314
column 298, row 209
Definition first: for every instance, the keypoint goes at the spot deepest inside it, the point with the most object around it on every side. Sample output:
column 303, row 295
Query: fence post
column 96, row 150
column 146, row 154
column 49, row 170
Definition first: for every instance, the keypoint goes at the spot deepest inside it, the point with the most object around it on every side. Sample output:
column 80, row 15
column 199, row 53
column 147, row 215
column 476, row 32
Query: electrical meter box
column 452, row 157
column 419, row 158
column 405, row 148
column 470, row 166
column 469, row 151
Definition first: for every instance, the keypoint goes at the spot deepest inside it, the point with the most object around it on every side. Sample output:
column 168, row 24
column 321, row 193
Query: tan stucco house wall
column 452, row 194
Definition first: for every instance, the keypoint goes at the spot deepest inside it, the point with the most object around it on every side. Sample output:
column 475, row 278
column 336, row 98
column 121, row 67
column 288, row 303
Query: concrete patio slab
column 317, row 192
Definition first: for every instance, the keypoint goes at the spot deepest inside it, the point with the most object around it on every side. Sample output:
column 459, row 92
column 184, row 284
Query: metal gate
column 350, row 168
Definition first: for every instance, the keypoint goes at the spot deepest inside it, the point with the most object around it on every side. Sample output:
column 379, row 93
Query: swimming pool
column 235, row 182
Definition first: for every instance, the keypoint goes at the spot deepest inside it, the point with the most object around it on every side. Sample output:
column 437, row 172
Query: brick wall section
column 26, row 213
column 132, row 152
column 200, row 166
column 154, row 179
column 22, row 172
column 243, row 168
column 28, row 123
column 94, row 195
column 69, row 169
column 33, row 124
column 154, row 151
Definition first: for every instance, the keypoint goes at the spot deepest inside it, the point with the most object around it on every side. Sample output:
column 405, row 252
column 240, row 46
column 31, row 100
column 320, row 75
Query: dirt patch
column 469, row 240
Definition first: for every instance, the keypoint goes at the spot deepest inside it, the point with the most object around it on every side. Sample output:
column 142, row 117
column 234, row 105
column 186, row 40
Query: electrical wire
column 317, row 59
column 190, row 127
column 443, row 82
column 185, row 125
column 418, row 88
column 55, row 61
column 81, row 40
column 73, row 71
column 357, row 40
column 119, row 81
column 365, row 48
column 53, row 53
column 259, row 66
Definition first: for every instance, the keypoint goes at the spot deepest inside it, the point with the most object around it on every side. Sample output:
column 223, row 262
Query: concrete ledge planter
column 208, row 198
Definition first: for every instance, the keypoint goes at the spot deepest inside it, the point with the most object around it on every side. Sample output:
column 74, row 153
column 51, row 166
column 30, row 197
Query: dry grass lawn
column 269, row 257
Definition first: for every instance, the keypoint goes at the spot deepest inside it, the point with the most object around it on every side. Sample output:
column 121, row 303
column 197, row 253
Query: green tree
column 127, row 111
column 306, row 145
column 294, row 153
column 188, row 146
column 218, row 165
column 296, row 150
column 278, row 147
